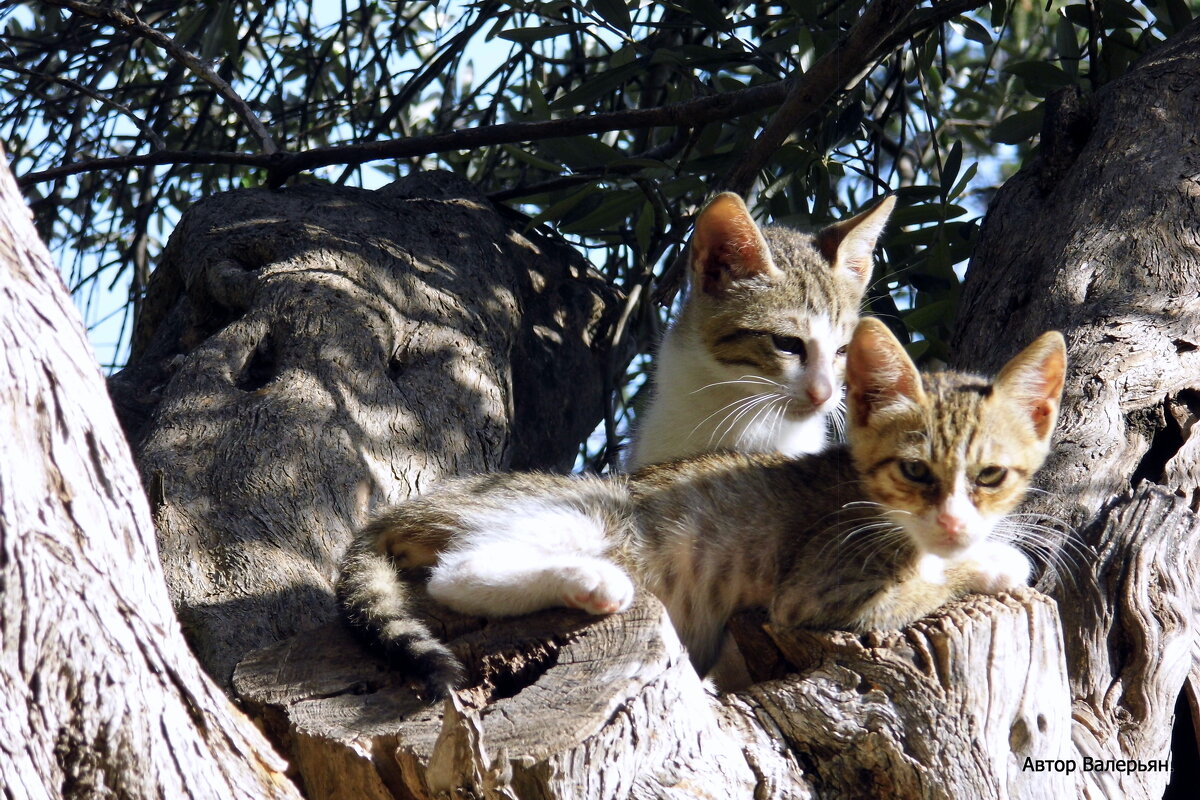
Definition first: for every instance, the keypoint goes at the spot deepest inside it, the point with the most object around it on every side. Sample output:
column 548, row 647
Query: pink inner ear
column 854, row 256
column 1043, row 412
column 732, row 252
column 860, row 404
column 878, row 371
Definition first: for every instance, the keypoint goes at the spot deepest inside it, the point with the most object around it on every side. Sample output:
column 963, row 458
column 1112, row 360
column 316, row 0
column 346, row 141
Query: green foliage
column 945, row 113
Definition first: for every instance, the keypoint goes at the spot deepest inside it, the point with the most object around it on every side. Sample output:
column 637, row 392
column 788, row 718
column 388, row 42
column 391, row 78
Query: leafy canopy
column 116, row 115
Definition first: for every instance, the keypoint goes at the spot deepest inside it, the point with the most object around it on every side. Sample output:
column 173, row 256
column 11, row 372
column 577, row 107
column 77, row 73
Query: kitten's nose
column 954, row 526
column 818, row 392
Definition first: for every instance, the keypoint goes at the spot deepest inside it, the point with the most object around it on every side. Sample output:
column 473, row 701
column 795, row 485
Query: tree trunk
column 1098, row 239
column 1016, row 696
column 99, row 695
column 309, row 353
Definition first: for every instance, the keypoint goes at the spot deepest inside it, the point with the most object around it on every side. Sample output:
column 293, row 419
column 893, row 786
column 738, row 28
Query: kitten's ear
column 727, row 245
column 849, row 245
column 1034, row 379
column 879, row 373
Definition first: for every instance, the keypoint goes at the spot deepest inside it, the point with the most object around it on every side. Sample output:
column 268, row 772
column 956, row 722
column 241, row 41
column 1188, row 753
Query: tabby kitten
column 754, row 360
column 873, row 534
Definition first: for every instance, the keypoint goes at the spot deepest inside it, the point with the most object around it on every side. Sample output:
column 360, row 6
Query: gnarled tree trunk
column 99, row 695
column 307, row 353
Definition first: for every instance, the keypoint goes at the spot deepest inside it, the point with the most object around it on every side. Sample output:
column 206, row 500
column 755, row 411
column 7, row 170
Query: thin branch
column 660, row 153
column 926, row 19
column 832, row 72
column 713, row 108
column 139, row 123
column 800, row 95
column 147, row 160
column 132, row 24
column 433, row 70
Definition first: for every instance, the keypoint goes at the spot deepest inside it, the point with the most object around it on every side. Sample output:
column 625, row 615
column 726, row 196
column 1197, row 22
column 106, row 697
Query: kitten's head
column 778, row 304
column 949, row 454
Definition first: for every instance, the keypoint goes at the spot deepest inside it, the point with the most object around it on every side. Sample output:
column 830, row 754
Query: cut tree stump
column 564, row 706
column 560, row 705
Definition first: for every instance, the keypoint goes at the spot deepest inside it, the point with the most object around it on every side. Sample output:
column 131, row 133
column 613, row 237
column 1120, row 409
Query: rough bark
column 948, row 708
column 305, row 354
column 560, row 706
column 1098, row 240
column 99, row 695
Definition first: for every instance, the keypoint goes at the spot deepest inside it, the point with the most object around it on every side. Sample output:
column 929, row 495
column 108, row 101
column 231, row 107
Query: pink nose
column 952, row 525
column 818, row 393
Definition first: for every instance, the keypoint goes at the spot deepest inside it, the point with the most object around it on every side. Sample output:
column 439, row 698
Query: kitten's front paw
column 996, row 567
column 598, row 587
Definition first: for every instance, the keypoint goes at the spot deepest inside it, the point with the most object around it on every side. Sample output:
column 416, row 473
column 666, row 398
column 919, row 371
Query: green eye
column 991, row 476
column 916, row 471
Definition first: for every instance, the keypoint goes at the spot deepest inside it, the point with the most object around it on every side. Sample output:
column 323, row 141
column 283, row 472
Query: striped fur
column 755, row 357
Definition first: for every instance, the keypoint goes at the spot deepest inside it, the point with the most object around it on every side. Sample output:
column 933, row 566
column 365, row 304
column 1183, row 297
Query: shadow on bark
column 305, row 354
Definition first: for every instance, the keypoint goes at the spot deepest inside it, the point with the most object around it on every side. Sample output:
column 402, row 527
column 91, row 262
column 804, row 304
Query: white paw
column 932, row 569
column 997, row 567
column 597, row 587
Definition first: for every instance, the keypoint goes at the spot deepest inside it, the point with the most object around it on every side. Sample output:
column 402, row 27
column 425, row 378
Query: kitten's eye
column 916, row 471
column 789, row 344
column 841, row 351
column 991, row 476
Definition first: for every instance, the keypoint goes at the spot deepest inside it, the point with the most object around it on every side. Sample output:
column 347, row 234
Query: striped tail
column 382, row 606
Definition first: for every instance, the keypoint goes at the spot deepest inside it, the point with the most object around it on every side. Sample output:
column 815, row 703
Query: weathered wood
column 1129, row 616
column 949, row 707
column 99, row 695
column 559, row 705
column 1097, row 239
column 305, row 354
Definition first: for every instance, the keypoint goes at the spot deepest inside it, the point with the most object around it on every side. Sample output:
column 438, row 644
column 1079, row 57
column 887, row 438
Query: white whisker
column 730, row 421
column 1055, row 546
column 837, row 420
column 762, row 413
column 749, row 380
column 728, row 409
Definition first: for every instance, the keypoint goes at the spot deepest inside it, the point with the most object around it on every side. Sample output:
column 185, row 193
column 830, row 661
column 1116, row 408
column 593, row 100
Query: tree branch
column 801, row 94
column 123, row 110
column 282, row 165
column 839, row 68
column 147, row 160
column 132, row 24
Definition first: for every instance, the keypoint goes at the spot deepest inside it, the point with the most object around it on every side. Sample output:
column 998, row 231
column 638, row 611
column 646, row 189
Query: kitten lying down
column 873, row 534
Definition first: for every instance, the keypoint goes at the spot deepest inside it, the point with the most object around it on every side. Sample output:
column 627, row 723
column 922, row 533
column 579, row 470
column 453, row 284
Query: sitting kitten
column 755, row 358
column 873, row 534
